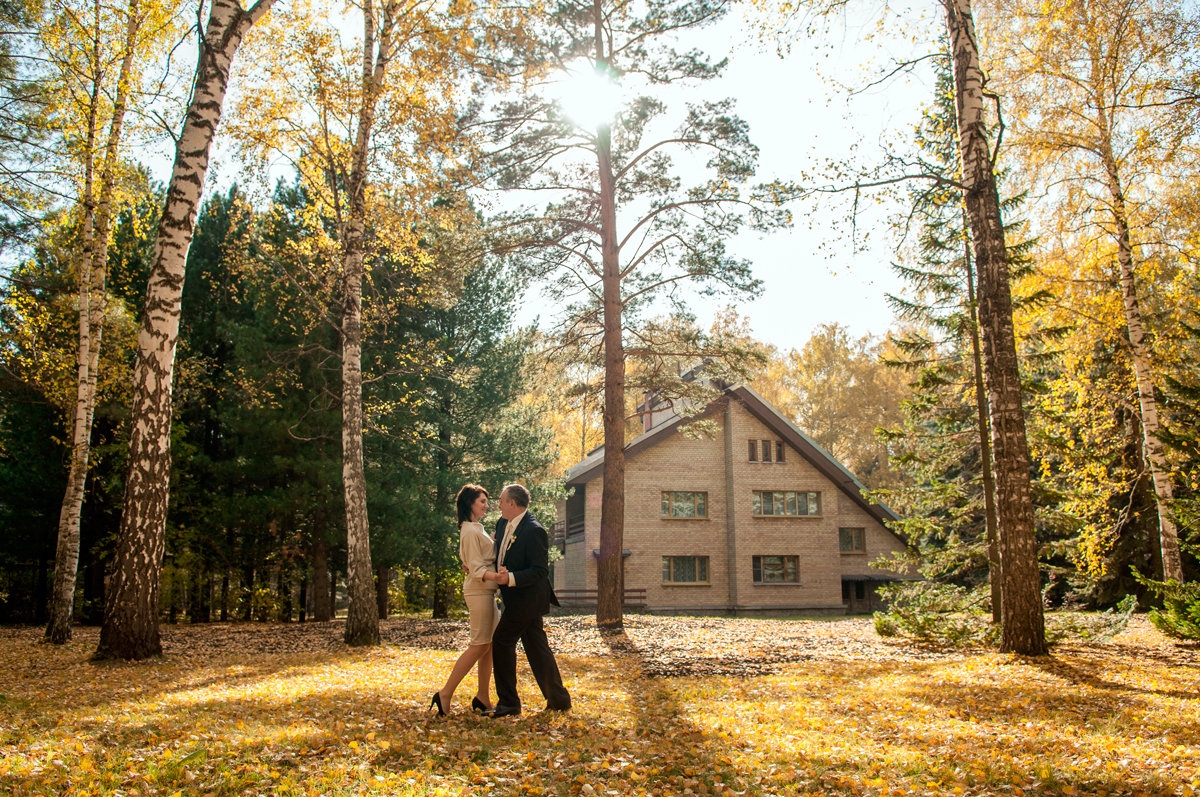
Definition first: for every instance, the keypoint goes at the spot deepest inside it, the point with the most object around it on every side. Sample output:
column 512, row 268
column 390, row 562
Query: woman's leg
column 466, row 660
column 485, row 678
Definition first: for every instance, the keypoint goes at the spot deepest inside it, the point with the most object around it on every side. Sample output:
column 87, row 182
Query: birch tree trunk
column 610, row 568
column 1022, row 618
column 130, row 629
column 1155, row 456
column 362, row 615
column 92, row 278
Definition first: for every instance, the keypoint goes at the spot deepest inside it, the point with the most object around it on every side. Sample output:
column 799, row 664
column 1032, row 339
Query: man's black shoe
column 503, row 711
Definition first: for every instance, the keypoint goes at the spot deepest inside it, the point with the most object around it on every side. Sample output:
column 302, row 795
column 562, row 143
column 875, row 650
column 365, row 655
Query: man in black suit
column 522, row 561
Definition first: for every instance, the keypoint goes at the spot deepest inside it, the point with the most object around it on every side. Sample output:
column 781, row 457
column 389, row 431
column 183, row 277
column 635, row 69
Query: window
column 853, row 540
column 786, row 502
column 860, row 590
column 777, row 570
column 767, row 451
column 685, row 569
column 684, row 505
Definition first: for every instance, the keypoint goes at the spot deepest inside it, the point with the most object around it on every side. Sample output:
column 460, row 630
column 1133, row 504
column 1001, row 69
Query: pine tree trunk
column 381, row 591
column 1155, row 456
column 984, row 425
column 130, row 629
column 303, row 607
column 610, row 568
column 445, row 558
column 1022, row 618
column 322, row 605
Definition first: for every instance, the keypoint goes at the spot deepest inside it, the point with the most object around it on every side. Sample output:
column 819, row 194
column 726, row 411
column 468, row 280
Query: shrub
column 1099, row 627
column 1179, row 616
column 939, row 614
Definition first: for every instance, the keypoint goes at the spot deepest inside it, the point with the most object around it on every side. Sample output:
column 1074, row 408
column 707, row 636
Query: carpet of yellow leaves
column 674, row 706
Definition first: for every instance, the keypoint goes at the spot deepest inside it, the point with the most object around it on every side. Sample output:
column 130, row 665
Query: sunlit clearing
column 588, row 95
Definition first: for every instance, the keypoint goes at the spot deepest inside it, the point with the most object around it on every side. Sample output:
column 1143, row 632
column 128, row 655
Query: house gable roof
column 819, row 458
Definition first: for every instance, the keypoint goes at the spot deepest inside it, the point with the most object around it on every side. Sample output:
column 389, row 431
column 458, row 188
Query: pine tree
column 627, row 229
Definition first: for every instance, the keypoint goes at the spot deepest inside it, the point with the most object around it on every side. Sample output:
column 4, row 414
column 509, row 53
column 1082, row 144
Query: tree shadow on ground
column 267, row 717
column 1083, row 671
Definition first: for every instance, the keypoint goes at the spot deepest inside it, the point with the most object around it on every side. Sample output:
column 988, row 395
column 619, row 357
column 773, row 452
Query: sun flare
column 588, row 95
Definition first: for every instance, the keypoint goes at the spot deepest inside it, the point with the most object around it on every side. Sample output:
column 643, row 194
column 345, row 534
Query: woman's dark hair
column 466, row 499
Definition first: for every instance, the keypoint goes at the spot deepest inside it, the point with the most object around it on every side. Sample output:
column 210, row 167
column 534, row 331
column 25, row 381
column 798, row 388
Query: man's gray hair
column 517, row 494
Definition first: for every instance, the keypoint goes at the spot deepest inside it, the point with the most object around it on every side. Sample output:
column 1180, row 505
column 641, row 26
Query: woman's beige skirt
column 482, row 608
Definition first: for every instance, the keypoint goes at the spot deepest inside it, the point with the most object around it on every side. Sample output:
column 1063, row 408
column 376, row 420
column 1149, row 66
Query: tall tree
column 130, row 629
column 627, row 228
column 102, row 99
column 943, row 354
column 381, row 126
column 1105, row 97
column 1023, row 621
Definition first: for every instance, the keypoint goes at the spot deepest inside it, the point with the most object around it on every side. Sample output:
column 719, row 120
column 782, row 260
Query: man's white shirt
column 510, row 526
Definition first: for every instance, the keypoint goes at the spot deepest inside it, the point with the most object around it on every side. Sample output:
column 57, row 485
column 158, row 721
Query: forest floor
column 674, row 706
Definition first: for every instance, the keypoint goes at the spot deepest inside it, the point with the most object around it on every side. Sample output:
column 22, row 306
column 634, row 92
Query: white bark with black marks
column 362, row 616
column 92, row 279
column 130, row 629
column 1155, row 456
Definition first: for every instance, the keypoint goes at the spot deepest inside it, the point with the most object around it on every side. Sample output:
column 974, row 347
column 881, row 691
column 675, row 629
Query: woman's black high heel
column 437, row 701
column 477, row 705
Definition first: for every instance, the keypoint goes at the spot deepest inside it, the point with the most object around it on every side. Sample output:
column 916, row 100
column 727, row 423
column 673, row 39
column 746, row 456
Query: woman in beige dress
column 476, row 549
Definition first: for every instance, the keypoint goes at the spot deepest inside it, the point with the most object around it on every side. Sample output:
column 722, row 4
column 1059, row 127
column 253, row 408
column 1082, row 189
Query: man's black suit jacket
column 528, row 559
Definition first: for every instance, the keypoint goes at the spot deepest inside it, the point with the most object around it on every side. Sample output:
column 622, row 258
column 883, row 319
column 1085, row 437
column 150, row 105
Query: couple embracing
column 516, row 561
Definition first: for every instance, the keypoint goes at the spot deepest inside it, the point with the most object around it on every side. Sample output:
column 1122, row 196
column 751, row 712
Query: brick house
column 755, row 519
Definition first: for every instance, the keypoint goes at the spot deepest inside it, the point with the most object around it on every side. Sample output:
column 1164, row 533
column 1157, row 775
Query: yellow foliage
column 675, row 706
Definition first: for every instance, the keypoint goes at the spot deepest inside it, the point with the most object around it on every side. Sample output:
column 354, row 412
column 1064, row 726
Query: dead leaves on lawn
column 672, row 706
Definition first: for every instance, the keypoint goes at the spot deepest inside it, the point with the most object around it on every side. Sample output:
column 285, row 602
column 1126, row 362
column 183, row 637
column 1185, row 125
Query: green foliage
column 1179, row 616
column 1093, row 627
column 935, row 614
column 23, row 151
column 945, row 614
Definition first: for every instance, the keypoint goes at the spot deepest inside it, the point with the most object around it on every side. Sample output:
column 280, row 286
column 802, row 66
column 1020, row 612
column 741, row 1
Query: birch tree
column 1022, row 619
column 96, row 73
column 368, row 131
column 130, row 628
column 1105, row 106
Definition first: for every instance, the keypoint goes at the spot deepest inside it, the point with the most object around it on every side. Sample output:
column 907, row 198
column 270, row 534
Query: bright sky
column 813, row 273
column 821, row 270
